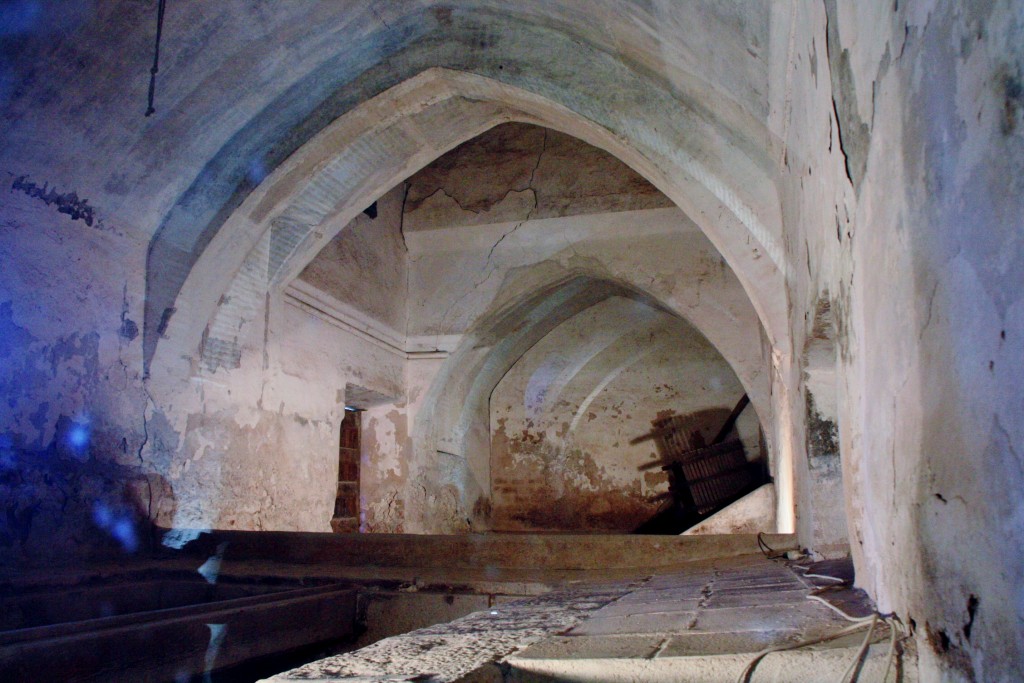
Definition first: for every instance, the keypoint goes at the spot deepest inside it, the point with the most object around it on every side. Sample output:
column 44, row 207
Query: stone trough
column 163, row 627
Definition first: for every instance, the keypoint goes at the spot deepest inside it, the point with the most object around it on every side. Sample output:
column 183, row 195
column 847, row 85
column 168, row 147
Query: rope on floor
column 844, row 615
column 896, row 630
column 748, row 671
column 852, row 672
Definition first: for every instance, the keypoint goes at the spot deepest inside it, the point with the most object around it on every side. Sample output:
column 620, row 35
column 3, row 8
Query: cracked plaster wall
column 956, row 389
column 72, row 478
column 516, row 172
column 903, row 157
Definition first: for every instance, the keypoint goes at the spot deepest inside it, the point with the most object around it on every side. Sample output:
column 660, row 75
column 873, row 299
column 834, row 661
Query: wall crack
column 66, row 202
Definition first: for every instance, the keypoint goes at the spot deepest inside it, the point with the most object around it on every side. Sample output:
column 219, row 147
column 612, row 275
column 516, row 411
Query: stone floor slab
column 742, row 619
column 739, row 620
column 658, row 622
column 679, row 582
column 596, row 647
column 758, row 598
column 667, row 595
column 758, row 582
column 695, row 644
column 716, row 616
column 619, row 608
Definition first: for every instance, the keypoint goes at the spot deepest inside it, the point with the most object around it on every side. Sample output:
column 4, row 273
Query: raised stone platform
column 705, row 622
column 534, row 552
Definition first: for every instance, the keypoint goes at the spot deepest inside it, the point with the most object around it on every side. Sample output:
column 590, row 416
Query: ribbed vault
column 452, row 437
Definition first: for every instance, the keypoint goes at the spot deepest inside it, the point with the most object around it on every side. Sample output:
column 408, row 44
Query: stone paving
column 449, row 651
column 715, row 614
column 736, row 606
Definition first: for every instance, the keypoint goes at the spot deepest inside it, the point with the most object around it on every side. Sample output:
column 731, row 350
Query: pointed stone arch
column 285, row 221
column 280, row 226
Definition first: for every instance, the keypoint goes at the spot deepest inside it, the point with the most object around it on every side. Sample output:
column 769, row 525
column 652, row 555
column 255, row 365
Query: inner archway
column 461, row 270
column 577, row 423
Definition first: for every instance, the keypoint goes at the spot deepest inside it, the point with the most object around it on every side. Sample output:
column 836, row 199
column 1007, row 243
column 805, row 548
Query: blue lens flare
column 78, row 436
column 102, row 515
column 256, row 172
column 124, row 531
column 119, row 525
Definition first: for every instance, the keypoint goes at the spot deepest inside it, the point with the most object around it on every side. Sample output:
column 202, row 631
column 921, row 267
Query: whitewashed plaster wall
column 365, row 268
column 877, row 145
column 903, row 150
column 283, row 221
column 261, row 444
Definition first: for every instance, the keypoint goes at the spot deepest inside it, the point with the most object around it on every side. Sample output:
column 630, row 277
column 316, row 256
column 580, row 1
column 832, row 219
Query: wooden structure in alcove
column 703, row 479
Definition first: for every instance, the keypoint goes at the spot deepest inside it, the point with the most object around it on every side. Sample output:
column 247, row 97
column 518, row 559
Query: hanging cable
column 896, row 633
column 156, row 56
column 767, row 550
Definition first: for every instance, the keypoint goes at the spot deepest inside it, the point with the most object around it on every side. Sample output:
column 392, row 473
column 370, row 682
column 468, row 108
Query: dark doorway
column 346, row 503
